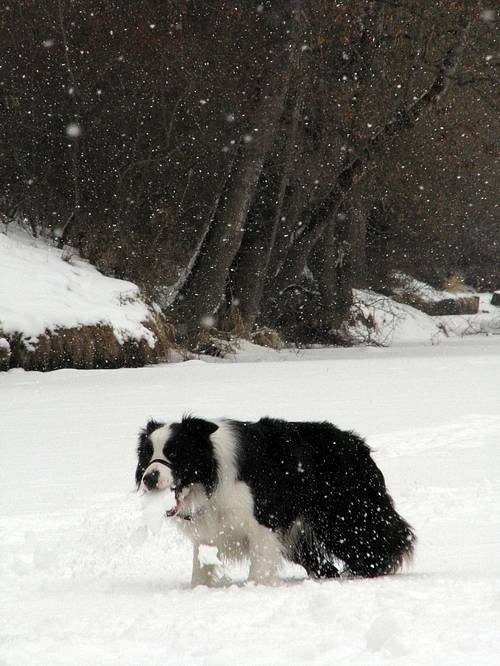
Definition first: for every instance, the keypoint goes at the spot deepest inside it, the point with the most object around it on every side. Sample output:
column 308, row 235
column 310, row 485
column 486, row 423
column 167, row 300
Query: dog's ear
column 200, row 427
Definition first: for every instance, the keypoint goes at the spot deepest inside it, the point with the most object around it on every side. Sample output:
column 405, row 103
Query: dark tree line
column 251, row 163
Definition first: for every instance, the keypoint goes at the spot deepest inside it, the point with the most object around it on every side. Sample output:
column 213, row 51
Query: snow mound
column 426, row 291
column 154, row 508
column 380, row 320
column 43, row 289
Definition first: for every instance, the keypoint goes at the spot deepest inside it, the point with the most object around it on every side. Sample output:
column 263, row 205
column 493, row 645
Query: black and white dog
column 308, row 492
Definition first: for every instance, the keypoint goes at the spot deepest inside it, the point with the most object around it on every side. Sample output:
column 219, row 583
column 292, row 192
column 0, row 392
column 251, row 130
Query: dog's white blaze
column 158, row 439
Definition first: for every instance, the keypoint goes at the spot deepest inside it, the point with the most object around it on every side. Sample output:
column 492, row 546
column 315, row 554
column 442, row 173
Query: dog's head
column 177, row 456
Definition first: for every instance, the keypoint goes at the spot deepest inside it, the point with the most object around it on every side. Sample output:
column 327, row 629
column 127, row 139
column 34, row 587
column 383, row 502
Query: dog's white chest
column 227, row 522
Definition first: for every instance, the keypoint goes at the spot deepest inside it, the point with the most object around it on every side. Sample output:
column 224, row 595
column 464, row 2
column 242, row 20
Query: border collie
column 308, row 492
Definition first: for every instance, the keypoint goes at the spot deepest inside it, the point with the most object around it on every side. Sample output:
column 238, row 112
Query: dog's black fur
column 315, row 486
column 328, row 477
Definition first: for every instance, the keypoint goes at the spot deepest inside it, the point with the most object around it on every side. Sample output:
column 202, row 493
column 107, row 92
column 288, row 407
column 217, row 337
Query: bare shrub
column 211, row 341
column 362, row 329
column 267, row 337
column 454, row 283
column 234, row 323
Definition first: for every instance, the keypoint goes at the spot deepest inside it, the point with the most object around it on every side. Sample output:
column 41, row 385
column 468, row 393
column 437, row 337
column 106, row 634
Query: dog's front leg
column 265, row 557
column 203, row 574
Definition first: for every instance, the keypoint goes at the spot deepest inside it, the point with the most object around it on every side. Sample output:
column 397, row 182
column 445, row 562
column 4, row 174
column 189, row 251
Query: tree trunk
column 332, row 265
column 358, row 225
column 296, row 258
column 323, row 265
column 200, row 295
column 252, row 262
column 249, row 268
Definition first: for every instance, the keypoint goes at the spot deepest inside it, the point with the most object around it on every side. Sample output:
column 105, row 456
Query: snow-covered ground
column 83, row 582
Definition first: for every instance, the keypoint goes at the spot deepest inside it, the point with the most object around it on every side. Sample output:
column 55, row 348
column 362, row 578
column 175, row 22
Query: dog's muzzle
column 151, row 479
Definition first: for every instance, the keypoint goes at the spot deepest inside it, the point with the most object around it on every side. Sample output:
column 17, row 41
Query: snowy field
column 83, row 581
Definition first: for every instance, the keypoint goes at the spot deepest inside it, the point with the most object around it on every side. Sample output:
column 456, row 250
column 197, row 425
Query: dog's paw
column 267, row 579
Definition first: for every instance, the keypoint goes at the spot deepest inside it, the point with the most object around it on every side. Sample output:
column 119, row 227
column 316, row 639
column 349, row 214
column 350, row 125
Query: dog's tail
column 402, row 547
column 392, row 547
column 375, row 540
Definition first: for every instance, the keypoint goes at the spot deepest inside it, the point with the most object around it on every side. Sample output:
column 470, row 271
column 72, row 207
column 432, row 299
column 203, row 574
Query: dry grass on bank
column 268, row 337
column 89, row 347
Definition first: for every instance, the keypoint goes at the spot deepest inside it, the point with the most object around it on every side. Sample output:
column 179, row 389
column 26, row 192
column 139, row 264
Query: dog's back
column 325, row 478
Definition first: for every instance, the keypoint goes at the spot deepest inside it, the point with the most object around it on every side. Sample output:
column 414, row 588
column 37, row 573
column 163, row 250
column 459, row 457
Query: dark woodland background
column 249, row 163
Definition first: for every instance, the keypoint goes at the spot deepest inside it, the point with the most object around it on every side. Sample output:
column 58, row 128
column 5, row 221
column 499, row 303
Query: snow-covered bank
column 39, row 290
column 59, row 311
column 82, row 582
column 396, row 323
column 45, row 291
